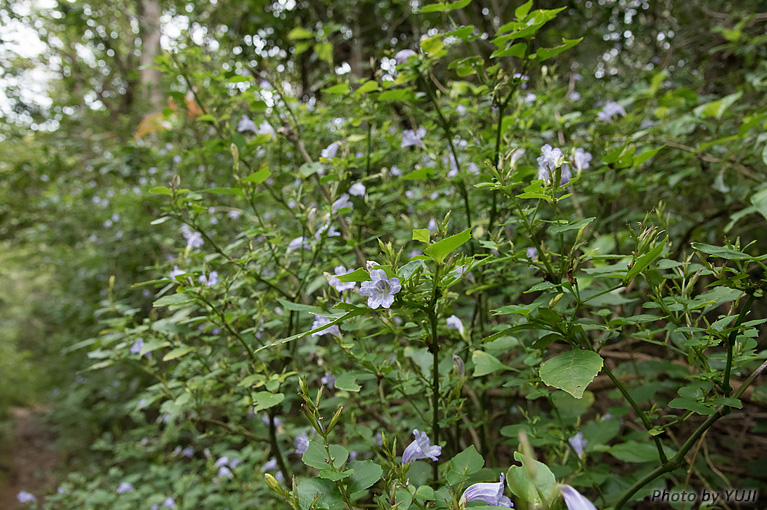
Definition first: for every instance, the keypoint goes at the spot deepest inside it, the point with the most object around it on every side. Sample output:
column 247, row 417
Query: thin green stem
column 731, row 345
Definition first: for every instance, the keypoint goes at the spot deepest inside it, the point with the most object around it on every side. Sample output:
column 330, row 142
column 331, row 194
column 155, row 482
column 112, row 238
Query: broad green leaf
column 348, row 382
column 160, row 190
column 366, row 473
column 722, row 252
column 546, row 53
column 571, row 371
column 334, row 476
column 180, row 298
column 533, row 481
column 265, row 399
column 311, row 488
column 358, row 275
column 177, row 353
column 340, row 89
column 299, row 33
column 324, row 52
column 485, row 363
column 258, row 177
column 445, row 7
column 516, row 50
column 432, row 45
column 521, row 12
column 634, row 451
column 315, row 456
column 422, row 234
column 440, row 250
column 464, row 464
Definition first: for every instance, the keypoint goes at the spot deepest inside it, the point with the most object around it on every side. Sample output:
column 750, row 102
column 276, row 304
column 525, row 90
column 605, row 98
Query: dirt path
column 28, row 460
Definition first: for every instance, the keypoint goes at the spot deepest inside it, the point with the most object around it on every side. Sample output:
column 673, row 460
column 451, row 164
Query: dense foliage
column 372, row 254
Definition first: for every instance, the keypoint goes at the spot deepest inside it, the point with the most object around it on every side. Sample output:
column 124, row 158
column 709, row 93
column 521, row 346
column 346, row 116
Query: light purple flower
column 395, row 171
column 357, row 189
column 581, row 159
column 413, row 138
column 329, row 380
column 574, row 499
column 530, row 98
column 125, row 487
column 298, row 242
column 490, row 493
column 193, row 239
column 575, row 95
column 343, row 203
column 532, row 253
column 578, row 443
column 209, row 280
column 453, row 322
column 338, row 285
column 380, row 290
column 176, row 272
column 225, row 472
column 320, row 321
column 548, row 162
column 379, row 439
column 301, row 442
column 331, row 231
column 330, row 151
column 403, row 56
column 188, row 452
column 609, row 110
column 266, row 129
column 516, row 156
column 271, row 465
column 25, row 497
column 421, row 448
column 137, row 346
column 234, row 214
column 246, row 124
column 169, row 503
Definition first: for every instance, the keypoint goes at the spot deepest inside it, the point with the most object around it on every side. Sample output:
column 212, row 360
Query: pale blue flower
column 25, row 497
column 454, row 322
column 379, row 439
column 609, row 110
column 209, row 280
column 298, row 242
column 421, row 448
column 581, row 159
column 490, row 493
column 530, row 98
column 266, row 129
column 413, row 138
column 532, row 253
column 193, row 239
column 380, row 290
column 395, row 171
column 137, row 346
column 246, row 124
column 234, row 214
column 329, row 380
column 343, row 203
column 169, row 503
column 548, row 162
column 188, row 452
column 357, row 189
column 339, row 285
column 578, row 443
column 301, row 442
column 575, row 95
column 271, row 465
column 330, row 151
column 225, row 472
column 320, row 321
column 403, row 56
column 574, row 499
column 331, row 231
column 125, row 487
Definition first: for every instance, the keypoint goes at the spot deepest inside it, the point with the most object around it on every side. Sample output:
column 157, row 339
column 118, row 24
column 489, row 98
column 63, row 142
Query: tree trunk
column 150, row 48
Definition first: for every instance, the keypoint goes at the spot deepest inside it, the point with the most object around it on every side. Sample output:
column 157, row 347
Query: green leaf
column 445, row 7
column 521, row 12
column 328, row 474
column 299, row 33
column 340, row 89
column 432, row 45
column 722, row 252
column 546, row 53
column 464, row 464
column 348, row 382
column 558, row 229
column 311, row 488
column 644, row 261
column 440, row 250
column 177, row 353
column 645, row 155
column 516, row 50
column 485, row 363
column 180, row 298
column 366, row 473
column 634, row 451
column 324, row 52
column 358, row 275
column 421, row 173
column 265, row 399
column 160, row 190
column 572, row 371
column 315, row 455
column 258, row 177
column 689, row 404
column 422, row 234
column 533, row 481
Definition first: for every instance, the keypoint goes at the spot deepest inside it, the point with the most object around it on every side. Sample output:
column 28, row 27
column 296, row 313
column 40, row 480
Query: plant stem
column 276, row 447
column 434, row 347
column 731, row 345
column 677, row 460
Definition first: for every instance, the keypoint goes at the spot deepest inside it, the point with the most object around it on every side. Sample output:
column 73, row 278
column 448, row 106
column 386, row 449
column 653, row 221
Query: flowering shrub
column 456, row 283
